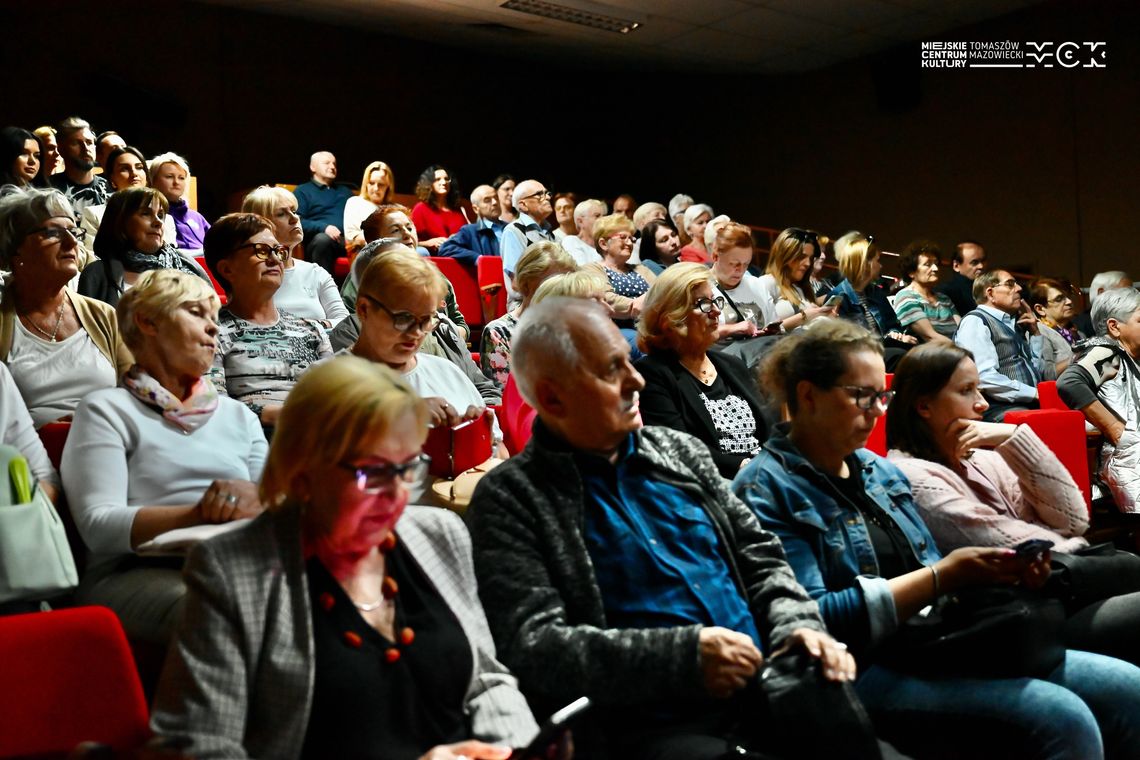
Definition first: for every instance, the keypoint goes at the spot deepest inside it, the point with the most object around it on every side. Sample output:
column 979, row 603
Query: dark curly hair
column 424, row 183
column 912, row 255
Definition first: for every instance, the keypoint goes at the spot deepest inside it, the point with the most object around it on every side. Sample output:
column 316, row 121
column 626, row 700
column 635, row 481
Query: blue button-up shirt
column 974, row 336
column 656, row 554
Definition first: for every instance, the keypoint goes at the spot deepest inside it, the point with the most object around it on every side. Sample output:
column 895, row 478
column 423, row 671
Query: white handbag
column 35, row 559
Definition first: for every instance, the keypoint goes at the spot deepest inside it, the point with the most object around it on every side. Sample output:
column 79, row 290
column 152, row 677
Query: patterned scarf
column 166, row 257
column 188, row 415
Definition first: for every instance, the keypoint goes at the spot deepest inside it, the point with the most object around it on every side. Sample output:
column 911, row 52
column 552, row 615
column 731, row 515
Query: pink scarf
column 188, row 415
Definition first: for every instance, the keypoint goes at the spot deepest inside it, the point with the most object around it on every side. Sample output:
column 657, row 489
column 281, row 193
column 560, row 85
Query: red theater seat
column 1063, row 431
column 877, row 441
column 517, row 418
column 467, row 295
column 489, row 270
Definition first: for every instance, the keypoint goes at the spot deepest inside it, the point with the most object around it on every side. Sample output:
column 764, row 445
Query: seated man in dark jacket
column 614, row 562
column 481, row 237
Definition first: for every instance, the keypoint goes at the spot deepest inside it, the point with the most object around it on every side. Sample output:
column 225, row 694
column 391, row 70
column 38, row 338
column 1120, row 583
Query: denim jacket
column 877, row 304
column 825, row 538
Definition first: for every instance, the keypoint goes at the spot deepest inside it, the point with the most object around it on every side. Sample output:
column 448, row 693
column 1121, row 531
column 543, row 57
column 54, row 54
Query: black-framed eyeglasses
column 404, row 321
column 1060, row 298
column 52, row 234
column 374, row 478
column 706, row 305
column 262, row 251
column 539, row 194
column 866, row 398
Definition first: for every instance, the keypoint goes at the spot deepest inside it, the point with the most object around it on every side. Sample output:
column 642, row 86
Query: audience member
column 158, row 453
column 1002, row 335
column 1053, row 304
column 969, row 261
column 130, row 242
column 261, row 349
column 582, row 283
column 377, row 187
column 78, row 180
column 694, row 221
column 854, row 538
column 625, row 204
column 645, row 213
column 169, row 175
column 105, row 143
column 748, row 311
column 659, row 245
column 126, row 168
column 789, row 262
column 1101, row 282
column 564, row 204
column 52, row 163
column 540, row 262
column 614, row 238
column 532, row 201
column 59, row 346
column 438, row 215
column 307, row 290
column 678, row 204
column 816, row 280
column 575, row 543
column 320, row 568
column 481, row 237
column 20, row 156
column 1103, row 381
column 582, row 246
column 320, row 203
column 863, row 301
column 710, row 395
column 922, row 311
column 504, row 185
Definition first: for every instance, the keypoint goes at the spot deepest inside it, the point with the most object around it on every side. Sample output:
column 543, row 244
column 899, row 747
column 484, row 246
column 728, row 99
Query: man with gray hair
column 1101, row 282
column 678, row 205
column 320, row 204
column 532, row 201
column 614, row 562
column 1103, row 381
column 481, row 237
column 78, row 180
column 582, row 247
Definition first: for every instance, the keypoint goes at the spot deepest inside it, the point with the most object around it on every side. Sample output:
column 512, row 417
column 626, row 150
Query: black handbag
column 993, row 632
column 1093, row 574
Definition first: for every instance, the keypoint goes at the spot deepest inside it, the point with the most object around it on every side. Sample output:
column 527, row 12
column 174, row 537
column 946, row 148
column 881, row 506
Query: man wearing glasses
column 532, row 200
column 1003, row 336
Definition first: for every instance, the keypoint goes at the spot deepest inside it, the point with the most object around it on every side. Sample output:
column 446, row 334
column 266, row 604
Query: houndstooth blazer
column 238, row 680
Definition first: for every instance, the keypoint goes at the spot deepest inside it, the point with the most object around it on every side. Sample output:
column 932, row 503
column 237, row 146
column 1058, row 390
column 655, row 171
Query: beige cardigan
column 621, row 305
column 96, row 317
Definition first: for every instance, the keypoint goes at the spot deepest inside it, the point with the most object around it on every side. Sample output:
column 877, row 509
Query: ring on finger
column 231, row 498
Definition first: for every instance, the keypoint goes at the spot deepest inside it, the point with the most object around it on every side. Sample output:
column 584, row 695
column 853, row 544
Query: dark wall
column 1040, row 165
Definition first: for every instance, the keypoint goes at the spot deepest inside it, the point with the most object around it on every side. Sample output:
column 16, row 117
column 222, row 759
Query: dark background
column 1040, row 165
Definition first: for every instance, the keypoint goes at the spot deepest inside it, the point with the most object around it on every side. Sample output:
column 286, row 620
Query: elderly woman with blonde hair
column 538, row 262
column 377, row 187
column 342, row 617
column 613, row 237
column 162, row 451
column 307, row 289
column 707, row 394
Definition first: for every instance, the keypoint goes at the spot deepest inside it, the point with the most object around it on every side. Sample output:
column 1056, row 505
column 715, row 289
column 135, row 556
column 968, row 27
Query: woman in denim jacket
column 854, row 538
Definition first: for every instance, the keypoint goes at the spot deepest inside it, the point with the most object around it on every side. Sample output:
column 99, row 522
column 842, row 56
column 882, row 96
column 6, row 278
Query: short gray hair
column 584, row 207
column 517, row 194
column 1116, row 303
column 692, row 212
column 711, row 229
column 25, row 210
column 543, row 345
column 678, row 203
column 641, row 215
column 1105, row 281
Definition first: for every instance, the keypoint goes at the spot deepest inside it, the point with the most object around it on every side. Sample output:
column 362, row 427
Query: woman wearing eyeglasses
column 160, row 452
column 262, row 350
column 342, row 618
column 708, row 395
column 855, row 540
column 1052, row 302
column 58, row 345
column 613, row 237
column 398, row 302
column 131, row 241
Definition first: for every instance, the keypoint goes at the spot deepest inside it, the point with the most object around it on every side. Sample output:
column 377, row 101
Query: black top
column 367, row 707
column 892, row 552
column 672, row 397
column 960, row 290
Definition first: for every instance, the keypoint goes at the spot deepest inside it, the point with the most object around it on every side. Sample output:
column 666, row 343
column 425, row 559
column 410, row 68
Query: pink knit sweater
column 1016, row 492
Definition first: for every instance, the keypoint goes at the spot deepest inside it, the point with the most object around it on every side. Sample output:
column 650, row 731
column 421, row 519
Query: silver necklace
column 370, row 606
column 58, row 321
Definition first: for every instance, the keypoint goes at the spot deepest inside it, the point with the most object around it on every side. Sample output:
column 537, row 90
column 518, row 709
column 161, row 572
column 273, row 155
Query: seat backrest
column 877, row 440
column 467, row 295
column 68, row 677
column 517, row 419
column 489, row 270
column 1048, row 397
column 1063, row 431
column 217, row 285
column 54, row 436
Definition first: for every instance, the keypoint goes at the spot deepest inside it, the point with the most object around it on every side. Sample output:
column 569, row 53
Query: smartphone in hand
column 553, row 739
column 1033, row 548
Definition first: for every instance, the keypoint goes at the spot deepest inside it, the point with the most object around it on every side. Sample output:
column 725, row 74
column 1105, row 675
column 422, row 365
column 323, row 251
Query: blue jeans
column 1088, row 708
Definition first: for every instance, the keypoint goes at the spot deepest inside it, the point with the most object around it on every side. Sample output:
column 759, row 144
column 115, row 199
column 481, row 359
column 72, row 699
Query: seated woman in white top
column 307, row 289
column 377, row 187
column 16, row 430
column 787, row 278
column 59, row 345
column 161, row 452
column 400, row 294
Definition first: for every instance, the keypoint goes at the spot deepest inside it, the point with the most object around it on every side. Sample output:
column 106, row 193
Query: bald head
column 485, row 201
column 531, row 197
column 322, row 164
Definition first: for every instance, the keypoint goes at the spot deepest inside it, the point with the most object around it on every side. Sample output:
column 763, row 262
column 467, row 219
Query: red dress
column 436, row 223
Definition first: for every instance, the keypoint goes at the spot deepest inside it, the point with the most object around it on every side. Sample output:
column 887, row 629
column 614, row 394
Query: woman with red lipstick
column 342, row 620
column 131, row 240
column 262, row 349
column 58, row 345
column 707, row 394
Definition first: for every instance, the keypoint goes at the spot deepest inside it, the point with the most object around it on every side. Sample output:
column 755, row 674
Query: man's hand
column 838, row 664
column 1027, row 319
column 728, row 660
column 333, row 232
